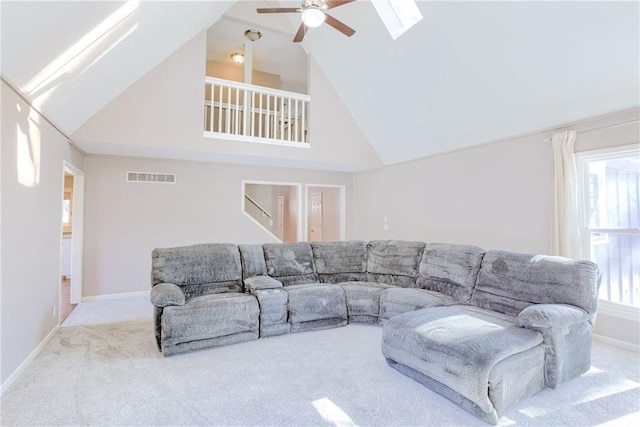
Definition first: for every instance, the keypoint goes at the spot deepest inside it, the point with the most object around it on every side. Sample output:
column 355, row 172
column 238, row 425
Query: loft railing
column 240, row 111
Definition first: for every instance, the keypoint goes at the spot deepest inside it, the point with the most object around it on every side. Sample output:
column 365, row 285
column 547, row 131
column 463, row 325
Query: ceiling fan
column 313, row 15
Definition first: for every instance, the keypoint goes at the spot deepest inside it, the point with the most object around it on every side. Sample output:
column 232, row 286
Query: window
column 610, row 183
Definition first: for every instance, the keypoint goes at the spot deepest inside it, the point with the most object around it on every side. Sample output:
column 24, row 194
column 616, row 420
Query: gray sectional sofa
column 485, row 329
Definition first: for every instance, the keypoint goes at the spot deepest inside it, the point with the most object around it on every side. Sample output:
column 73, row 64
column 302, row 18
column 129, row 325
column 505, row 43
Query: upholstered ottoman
column 476, row 358
column 209, row 321
column 316, row 306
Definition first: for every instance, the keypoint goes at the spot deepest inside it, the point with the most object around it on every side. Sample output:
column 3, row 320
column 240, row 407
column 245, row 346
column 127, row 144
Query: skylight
column 398, row 15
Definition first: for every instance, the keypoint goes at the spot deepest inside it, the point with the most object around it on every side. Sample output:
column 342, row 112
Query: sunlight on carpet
column 332, row 413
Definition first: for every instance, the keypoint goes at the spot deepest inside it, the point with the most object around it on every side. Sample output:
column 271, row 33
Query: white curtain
column 565, row 232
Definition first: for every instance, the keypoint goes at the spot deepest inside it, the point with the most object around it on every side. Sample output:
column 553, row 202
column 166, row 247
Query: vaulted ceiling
column 468, row 73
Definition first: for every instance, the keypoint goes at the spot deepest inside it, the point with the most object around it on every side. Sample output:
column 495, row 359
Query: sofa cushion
column 396, row 301
column 198, row 269
column 450, row 269
column 290, row 263
column 393, row 262
column 340, row 261
column 256, row 283
column 363, row 300
column 207, row 317
column 510, row 282
column 312, row 302
column 252, row 257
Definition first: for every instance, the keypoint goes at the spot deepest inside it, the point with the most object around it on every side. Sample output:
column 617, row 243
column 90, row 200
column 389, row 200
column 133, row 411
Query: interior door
column 315, row 217
column 280, row 218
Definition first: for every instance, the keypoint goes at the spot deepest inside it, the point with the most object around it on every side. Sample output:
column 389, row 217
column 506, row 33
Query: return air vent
column 151, row 177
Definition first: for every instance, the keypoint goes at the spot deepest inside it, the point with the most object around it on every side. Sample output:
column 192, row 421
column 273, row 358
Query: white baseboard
column 115, row 296
column 617, row 343
column 25, row 362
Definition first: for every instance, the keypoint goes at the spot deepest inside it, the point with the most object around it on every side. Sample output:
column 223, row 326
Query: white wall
column 31, row 228
column 124, row 221
column 497, row 196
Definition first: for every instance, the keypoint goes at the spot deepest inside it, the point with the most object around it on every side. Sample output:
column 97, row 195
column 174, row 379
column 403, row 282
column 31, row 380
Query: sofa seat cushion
column 363, row 300
column 311, row 302
column 457, row 346
column 396, row 301
column 209, row 316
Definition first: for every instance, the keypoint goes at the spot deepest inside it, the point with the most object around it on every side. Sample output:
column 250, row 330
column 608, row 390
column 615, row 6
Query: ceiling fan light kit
column 314, row 15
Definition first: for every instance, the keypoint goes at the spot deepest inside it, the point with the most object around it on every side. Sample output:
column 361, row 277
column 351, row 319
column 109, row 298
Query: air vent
column 151, row 177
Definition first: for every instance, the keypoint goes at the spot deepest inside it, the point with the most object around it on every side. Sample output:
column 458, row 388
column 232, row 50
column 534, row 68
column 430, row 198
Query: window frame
column 582, row 160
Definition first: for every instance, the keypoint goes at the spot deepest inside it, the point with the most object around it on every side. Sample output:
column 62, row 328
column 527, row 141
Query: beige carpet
column 102, row 368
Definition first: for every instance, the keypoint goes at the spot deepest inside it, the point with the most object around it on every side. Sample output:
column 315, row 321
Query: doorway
column 71, row 240
column 275, row 207
column 325, row 212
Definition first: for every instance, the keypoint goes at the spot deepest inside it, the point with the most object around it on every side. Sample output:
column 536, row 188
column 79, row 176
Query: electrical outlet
column 54, row 311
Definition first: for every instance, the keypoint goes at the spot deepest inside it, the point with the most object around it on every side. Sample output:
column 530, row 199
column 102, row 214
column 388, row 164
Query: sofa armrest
column 164, row 294
column 258, row 283
column 566, row 333
column 546, row 316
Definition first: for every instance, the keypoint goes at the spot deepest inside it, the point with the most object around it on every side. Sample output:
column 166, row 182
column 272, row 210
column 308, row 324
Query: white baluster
column 227, row 111
column 212, row 92
column 304, row 123
column 282, row 117
column 260, row 118
column 289, row 119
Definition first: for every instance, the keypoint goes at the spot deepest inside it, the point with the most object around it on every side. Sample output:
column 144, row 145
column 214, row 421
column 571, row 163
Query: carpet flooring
column 102, row 368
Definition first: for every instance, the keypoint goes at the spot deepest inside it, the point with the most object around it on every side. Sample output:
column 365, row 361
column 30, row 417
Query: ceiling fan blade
column 300, row 34
column 278, row 10
column 335, row 3
column 340, row 26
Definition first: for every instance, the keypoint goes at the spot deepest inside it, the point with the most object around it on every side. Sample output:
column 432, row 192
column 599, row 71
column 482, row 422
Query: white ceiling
column 273, row 53
column 468, row 73
column 473, row 72
column 55, row 43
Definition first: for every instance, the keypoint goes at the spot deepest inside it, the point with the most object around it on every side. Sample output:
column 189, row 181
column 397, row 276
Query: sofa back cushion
column 510, row 282
column 450, row 269
column 290, row 263
column 340, row 261
column 394, row 262
column 252, row 258
column 199, row 269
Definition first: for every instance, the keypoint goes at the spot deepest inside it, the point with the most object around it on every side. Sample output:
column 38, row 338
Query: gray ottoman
column 476, row 358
